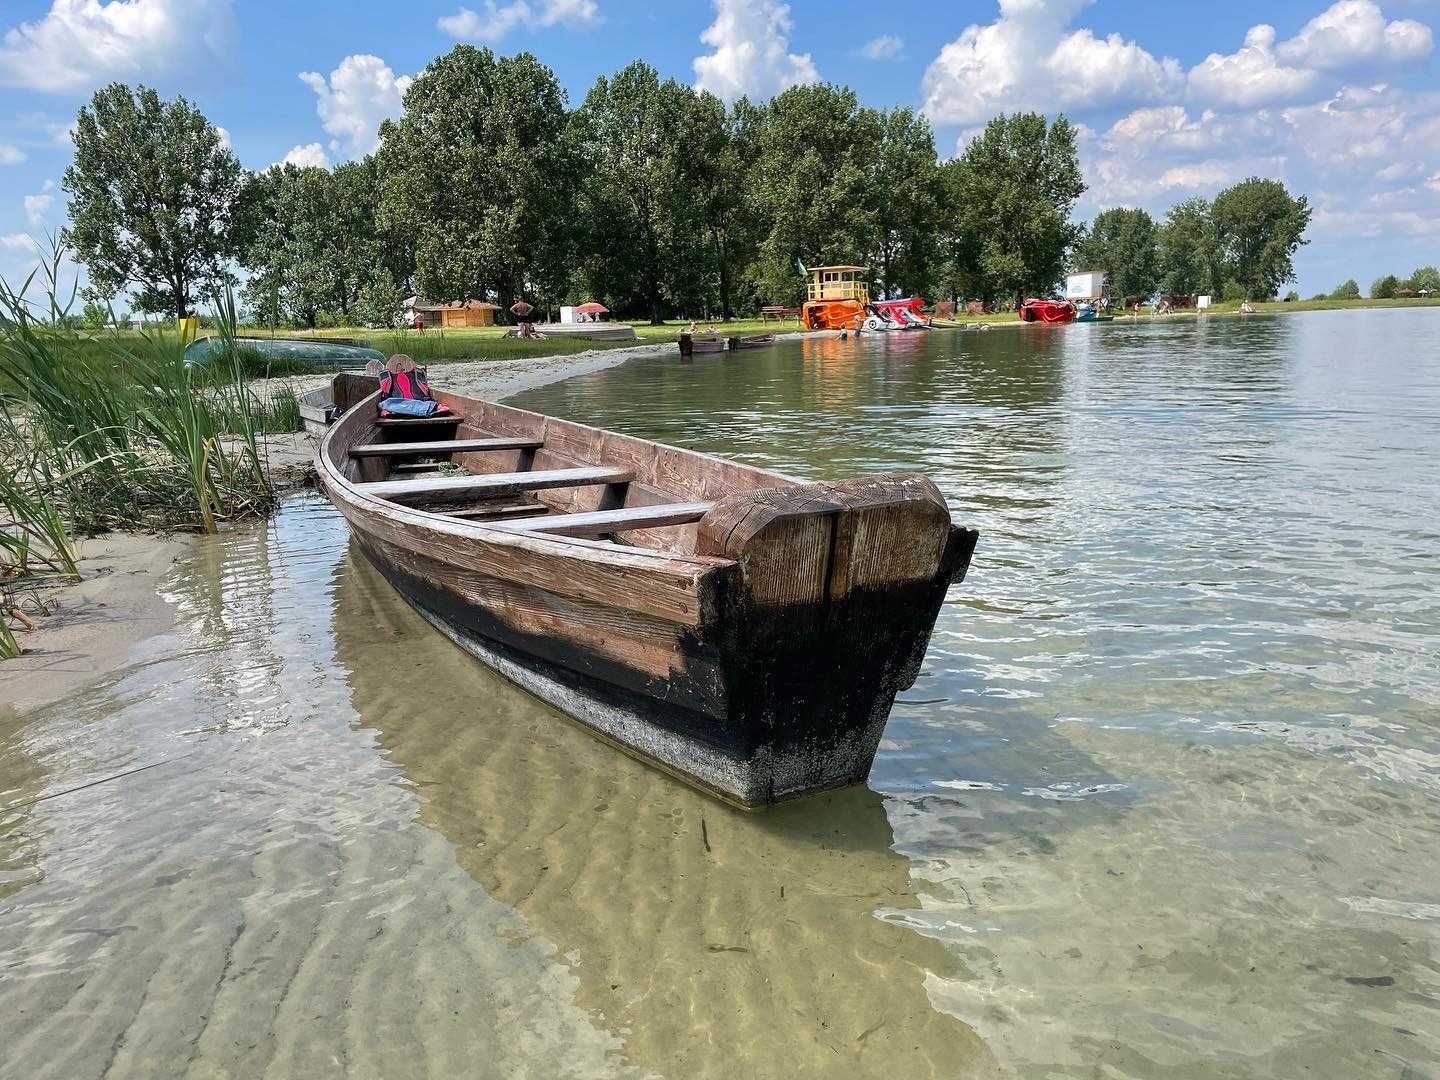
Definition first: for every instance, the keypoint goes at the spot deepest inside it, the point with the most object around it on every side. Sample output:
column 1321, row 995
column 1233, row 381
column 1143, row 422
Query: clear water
column 1164, row 803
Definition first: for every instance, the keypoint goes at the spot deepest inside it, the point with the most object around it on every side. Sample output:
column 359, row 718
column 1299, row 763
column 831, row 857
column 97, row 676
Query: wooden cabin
column 838, row 283
column 458, row 313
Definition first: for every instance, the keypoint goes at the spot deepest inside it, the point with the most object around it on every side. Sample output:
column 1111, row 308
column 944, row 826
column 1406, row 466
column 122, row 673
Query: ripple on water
column 1204, row 605
column 1163, row 802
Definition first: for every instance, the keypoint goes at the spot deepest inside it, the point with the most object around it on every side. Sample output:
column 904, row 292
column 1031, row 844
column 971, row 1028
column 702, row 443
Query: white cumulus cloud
column 37, row 206
column 311, row 155
column 1349, row 34
column 80, row 44
column 1362, row 155
column 1029, row 58
column 1359, row 127
column 750, row 51
column 1253, row 75
column 494, row 21
column 1354, row 32
column 1157, row 156
column 360, row 93
column 11, row 155
column 884, row 47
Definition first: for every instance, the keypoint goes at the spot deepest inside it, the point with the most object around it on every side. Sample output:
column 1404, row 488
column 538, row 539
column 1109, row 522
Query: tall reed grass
column 104, row 430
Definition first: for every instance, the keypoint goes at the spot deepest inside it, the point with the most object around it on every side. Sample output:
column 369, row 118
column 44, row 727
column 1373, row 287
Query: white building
column 1085, row 285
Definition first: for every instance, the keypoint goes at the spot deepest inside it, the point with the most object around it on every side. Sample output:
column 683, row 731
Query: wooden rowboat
column 741, row 629
column 694, row 343
column 754, row 341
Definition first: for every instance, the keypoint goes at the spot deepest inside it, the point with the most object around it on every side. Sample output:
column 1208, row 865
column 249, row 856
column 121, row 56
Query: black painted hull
column 665, row 723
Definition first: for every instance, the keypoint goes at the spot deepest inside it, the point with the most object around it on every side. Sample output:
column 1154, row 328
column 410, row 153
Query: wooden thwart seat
column 442, row 446
column 451, row 488
column 602, row 522
column 412, row 421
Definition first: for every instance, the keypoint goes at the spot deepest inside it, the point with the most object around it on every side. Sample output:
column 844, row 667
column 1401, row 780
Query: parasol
column 592, row 308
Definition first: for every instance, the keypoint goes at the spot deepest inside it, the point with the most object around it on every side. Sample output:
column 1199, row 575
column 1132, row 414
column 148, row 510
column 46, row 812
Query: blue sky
column 1341, row 100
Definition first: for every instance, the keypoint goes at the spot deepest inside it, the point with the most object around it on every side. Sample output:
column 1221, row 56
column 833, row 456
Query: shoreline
column 98, row 623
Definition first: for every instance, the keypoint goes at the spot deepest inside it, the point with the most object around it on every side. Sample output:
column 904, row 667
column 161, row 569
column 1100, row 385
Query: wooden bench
column 461, row 487
column 603, row 522
column 442, row 446
column 419, row 421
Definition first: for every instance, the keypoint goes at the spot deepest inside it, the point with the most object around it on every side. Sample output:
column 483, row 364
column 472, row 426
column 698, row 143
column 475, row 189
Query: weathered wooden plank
column 781, row 537
column 675, row 589
column 605, row 522
column 347, row 389
column 500, row 510
column 443, row 488
column 418, row 421
column 641, row 642
column 441, row 446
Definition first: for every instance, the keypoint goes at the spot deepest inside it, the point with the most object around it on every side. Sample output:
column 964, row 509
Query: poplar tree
column 152, row 189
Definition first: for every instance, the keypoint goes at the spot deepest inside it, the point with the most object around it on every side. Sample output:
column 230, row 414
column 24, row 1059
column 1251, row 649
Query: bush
column 379, row 303
column 1425, row 278
column 1350, row 290
column 1233, row 292
column 1291, row 296
column 1384, row 288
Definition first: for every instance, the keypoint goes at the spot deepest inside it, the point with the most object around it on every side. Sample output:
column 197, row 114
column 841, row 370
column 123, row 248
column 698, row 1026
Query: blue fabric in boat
column 399, row 406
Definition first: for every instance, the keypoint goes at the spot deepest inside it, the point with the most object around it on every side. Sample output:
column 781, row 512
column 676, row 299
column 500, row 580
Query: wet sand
column 90, row 628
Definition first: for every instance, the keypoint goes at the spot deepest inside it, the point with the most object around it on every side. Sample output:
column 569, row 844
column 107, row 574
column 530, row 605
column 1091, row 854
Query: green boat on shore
column 323, row 354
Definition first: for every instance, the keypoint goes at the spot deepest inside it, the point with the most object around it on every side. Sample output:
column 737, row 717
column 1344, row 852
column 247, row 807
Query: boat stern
column 837, row 592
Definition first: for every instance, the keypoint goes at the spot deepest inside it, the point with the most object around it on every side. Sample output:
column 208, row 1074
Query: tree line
column 651, row 196
column 1238, row 247
column 1424, row 281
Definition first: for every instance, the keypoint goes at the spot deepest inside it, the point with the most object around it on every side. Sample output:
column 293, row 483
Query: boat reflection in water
column 720, row 943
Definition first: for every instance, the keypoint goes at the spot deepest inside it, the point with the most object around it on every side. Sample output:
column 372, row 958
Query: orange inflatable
column 832, row 314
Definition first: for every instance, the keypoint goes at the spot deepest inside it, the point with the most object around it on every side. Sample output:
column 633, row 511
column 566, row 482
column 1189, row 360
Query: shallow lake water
column 1165, row 801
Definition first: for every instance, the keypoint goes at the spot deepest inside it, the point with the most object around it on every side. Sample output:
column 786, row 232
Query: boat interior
column 522, row 472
